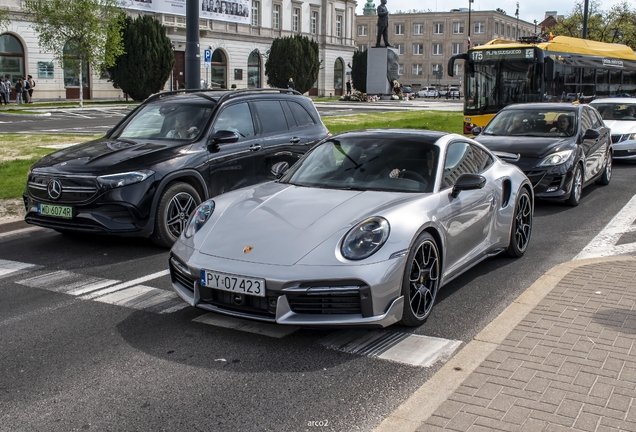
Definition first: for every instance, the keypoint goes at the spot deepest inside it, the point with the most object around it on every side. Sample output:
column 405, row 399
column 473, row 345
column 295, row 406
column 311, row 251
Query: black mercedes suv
column 175, row 150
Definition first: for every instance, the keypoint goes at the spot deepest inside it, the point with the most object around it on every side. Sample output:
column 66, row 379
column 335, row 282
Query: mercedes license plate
column 233, row 283
column 55, row 211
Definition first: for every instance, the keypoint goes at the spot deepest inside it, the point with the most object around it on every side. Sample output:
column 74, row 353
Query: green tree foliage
column 359, row 71
column 293, row 57
column 148, row 60
column 617, row 25
column 92, row 28
column 4, row 18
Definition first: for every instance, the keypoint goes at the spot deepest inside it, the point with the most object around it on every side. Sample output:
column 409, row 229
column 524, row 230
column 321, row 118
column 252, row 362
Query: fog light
column 552, row 189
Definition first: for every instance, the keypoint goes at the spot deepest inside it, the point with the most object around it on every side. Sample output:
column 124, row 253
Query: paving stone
column 461, row 422
column 569, row 408
column 587, row 422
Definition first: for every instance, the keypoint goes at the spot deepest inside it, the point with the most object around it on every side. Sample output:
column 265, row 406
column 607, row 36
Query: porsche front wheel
column 421, row 280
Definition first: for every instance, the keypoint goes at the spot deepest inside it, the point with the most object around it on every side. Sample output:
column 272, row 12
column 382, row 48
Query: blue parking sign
column 207, row 55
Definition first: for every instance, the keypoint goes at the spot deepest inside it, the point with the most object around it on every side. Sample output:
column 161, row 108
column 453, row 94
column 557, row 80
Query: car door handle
column 294, row 140
column 255, row 147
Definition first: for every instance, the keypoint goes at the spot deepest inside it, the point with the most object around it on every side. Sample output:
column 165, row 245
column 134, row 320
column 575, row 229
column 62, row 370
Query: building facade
column 426, row 41
column 239, row 47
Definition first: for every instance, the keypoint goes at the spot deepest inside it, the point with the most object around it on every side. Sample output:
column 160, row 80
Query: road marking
column 127, row 294
column 606, row 243
column 261, row 328
column 411, row 349
column 19, row 231
column 10, row 267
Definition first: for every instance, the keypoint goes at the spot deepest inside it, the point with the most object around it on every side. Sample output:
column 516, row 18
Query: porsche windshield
column 168, row 121
column 533, row 122
column 368, row 164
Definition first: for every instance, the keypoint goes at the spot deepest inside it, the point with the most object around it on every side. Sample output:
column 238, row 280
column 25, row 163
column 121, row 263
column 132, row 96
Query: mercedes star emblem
column 54, row 188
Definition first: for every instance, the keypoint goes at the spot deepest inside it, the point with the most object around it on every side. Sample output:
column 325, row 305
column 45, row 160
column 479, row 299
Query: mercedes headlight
column 364, row 239
column 111, row 181
column 199, row 217
column 556, row 158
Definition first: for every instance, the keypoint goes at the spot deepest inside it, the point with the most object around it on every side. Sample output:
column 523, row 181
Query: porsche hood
column 279, row 224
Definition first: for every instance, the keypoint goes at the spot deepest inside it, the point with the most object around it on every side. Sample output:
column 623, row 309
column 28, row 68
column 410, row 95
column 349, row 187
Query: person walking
column 18, row 91
column 349, row 88
column 25, row 90
column 31, row 82
column 5, row 90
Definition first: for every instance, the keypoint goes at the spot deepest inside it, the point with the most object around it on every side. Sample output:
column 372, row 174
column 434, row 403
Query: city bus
column 561, row 69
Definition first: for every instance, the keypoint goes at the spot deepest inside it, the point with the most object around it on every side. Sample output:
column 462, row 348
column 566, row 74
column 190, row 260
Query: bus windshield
column 492, row 85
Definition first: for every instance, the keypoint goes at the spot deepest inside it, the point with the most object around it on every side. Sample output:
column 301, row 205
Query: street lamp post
column 535, row 27
column 469, row 2
column 517, row 15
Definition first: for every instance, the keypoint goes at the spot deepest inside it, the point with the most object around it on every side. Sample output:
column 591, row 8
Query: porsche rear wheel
column 521, row 229
column 421, row 280
column 175, row 206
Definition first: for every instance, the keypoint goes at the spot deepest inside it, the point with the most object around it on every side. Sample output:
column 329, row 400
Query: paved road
column 76, row 355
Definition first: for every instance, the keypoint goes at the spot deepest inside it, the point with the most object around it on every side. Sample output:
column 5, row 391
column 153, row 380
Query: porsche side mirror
column 476, row 130
column 468, row 182
column 279, row 168
column 591, row 134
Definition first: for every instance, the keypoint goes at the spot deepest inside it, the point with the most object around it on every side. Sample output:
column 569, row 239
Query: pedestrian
column 7, row 85
column 18, row 91
column 25, row 90
column 3, row 90
column 349, row 87
column 290, row 84
column 31, row 85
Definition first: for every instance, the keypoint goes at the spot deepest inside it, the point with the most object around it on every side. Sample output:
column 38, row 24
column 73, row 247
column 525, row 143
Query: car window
column 236, row 118
column 616, row 111
column 464, row 158
column 300, row 114
column 597, row 122
column 271, row 116
column 586, row 120
column 159, row 121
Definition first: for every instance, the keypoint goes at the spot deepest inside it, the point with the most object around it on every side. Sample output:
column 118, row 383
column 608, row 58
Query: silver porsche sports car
column 363, row 230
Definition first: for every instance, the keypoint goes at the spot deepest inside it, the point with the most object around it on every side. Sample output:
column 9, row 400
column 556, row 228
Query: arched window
column 338, row 74
column 219, row 69
column 11, row 58
column 254, row 70
column 71, row 67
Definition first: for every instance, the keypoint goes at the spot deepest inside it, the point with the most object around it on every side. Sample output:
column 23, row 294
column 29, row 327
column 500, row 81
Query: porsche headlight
column 111, row 181
column 364, row 239
column 556, row 158
column 199, row 217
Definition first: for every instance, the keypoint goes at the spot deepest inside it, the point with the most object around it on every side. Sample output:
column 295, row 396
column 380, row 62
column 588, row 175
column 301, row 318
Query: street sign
column 207, row 65
column 207, row 56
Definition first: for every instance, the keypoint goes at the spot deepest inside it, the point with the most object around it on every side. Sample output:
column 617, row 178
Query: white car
column 427, row 92
column 619, row 114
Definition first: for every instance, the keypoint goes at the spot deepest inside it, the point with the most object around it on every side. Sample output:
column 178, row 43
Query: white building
column 239, row 43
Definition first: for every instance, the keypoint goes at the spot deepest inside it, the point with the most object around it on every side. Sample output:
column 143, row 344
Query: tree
column 89, row 29
column 4, row 18
column 148, row 60
column 359, row 70
column 618, row 25
column 293, row 57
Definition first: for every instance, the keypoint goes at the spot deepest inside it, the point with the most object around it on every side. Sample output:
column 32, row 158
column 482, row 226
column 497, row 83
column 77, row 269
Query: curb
column 425, row 401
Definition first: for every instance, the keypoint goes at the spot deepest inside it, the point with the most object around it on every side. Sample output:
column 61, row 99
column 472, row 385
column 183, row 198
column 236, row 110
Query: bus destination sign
column 503, row 54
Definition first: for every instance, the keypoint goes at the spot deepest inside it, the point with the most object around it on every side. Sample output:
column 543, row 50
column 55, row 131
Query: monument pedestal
column 382, row 69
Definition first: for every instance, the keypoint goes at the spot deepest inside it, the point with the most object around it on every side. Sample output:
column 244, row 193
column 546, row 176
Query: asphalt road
column 74, row 363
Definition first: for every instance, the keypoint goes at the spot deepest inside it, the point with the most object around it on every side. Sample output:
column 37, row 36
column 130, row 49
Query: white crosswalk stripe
column 10, row 267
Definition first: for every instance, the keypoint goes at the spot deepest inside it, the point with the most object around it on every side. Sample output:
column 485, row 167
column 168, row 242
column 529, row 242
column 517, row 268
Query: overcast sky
column 529, row 10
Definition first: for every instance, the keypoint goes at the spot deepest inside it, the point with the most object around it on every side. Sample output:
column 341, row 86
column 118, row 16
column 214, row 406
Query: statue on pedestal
column 383, row 25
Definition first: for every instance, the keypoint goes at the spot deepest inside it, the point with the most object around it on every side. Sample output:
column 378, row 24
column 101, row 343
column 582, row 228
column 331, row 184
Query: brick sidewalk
column 570, row 364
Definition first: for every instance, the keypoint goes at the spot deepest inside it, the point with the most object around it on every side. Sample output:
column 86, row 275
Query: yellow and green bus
column 561, row 69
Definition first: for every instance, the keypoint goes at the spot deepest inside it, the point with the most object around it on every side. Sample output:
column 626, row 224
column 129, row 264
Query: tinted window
column 272, row 116
column 595, row 117
column 300, row 114
column 236, row 118
column 586, row 121
column 158, row 120
column 464, row 158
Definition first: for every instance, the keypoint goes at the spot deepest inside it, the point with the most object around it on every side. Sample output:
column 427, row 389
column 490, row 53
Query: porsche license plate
column 55, row 211
column 233, row 283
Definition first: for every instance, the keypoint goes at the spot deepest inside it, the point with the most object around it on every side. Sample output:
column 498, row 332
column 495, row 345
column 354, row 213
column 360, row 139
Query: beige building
column 426, row 41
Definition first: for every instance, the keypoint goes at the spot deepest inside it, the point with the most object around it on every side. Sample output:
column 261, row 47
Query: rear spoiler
column 451, row 62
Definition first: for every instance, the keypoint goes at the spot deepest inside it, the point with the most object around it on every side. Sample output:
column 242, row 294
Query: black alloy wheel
column 577, row 187
column 421, row 280
column 521, row 229
column 176, row 205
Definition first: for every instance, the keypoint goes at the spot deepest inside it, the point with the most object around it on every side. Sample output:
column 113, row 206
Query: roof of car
column 544, row 106
column 622, row 100
column 427, row 136
column 217, row 95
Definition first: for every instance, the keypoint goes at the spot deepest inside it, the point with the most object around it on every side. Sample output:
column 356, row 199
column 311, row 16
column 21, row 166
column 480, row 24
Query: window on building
column 314, row 22
column 254, row 70
column 338, row 25
column 218, row 70
column 12, row 58
column 458, row 48
column 418, row 29
column 399, row 29
column 496, row 28
column 508, row 31
column 362, row 30
column 276, row 17
column 400, row 69
column 458, row 28
column 437, row 49
column 296, row 19
column 457, row 69
column 480, row 27
column 437, row 70
column 416, row 69
column 438, row 28
column 45, row 70
column 362, row 48
column 418, row 49
column 400, row 48
column 256, row 12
